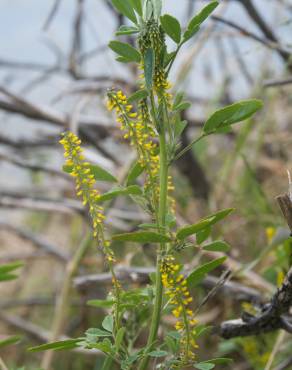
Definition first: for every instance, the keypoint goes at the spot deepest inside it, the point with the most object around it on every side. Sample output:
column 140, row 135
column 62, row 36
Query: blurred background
column 55, row 69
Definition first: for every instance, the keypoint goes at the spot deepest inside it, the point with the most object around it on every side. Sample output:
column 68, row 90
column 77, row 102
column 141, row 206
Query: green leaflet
column 231, row 114
column 126, row 51
column 142, row 237
column 171, row 27
column 197, row 275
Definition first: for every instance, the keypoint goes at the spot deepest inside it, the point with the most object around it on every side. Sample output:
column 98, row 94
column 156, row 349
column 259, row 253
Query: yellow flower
column 175, row 284
column 270, row 233
column 84, row 180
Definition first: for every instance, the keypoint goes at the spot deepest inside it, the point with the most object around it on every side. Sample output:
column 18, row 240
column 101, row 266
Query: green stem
column 188, row 147
column 163, row 179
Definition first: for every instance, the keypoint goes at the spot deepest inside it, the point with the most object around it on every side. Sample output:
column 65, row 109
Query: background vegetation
column 59, row 82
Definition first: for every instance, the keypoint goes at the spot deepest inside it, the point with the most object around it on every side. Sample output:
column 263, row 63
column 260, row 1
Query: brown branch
column 275, row 314
column 140, row 275
column 51, row 14
column 281, row 82
column 32, row 166
column 265, row 28
column 67, row 206
column 266, row 42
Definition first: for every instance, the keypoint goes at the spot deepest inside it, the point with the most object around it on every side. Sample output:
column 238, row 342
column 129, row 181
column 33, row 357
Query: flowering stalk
column 84, row 178
column 162, row 211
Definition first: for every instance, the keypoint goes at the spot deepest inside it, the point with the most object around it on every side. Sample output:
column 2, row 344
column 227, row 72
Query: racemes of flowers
column 150, row 119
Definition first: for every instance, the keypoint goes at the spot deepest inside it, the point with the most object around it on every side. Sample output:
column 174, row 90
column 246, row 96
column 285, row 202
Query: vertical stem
column 62, row 301
column 2, row 365
column 163, row 180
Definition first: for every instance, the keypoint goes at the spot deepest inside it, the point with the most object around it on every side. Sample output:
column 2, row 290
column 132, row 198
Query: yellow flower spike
column 270, row 233
column 175, row 284
column 81, row 170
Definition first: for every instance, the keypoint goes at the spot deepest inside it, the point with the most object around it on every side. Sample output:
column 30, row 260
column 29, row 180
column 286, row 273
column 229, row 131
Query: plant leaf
column 197, row 275
column 157, row 6
column 119, row 337
column 138, row 95
column 203, row 235
column 135, row 171
column 115, row 192
column 219, row 361
column 125, row 8
column 231, row 114
column 108, row 323
column 197, row 20
column 142, row 237
column 9, row 341
column 204, row 366
column 126, row 51
column 100, row 303
column 99, row 173
column 4, row 269
column 126, row 30
column 218, row 216
column 171, row 27
column 217, row 246
column 149, row 64
column 137, row 5
column 96, row 333
column 186, row 231
column 57, row 346
column 183, row 106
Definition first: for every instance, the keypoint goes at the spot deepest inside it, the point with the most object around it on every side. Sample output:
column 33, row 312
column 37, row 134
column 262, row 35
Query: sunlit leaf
column 135, row 171
column 126, row 51
column 217, row 246
column 127, row 30
column 137, row 5
column 125, row 8
column 99, row 173
column 130, row 190
column 171, row 27
column 108, row 323
column 57, row 346
column 188, row 230
column 197, row 20
column 96, row 333
column 9, row 341
column 231, row 114
column 197, row 275
column 138, row 95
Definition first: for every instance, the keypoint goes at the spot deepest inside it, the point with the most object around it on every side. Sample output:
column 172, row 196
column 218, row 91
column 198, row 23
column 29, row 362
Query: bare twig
column 51, row 14
column 275, row 83
column 32, row 166
column 274, row 315
column 265, row 28
column 140, row 275
column 67, row 206
column 266, row 42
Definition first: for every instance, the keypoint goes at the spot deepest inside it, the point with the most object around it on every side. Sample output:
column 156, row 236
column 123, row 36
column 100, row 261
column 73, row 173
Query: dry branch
column 275, row 314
